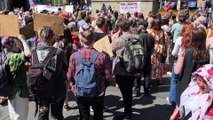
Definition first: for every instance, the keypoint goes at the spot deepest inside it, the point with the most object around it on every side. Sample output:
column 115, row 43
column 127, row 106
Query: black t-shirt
column 149, row 42
column 98, row 36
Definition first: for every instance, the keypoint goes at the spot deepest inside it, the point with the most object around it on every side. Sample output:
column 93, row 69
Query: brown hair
column 186, row 34
column 87, row 37
column 198, row 46
column 124, row 24
column 46, row 33
column 156, row 24
column 100, row 22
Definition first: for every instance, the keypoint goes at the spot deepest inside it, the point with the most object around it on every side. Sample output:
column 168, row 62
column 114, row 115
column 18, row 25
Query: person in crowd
column 200, row 22
column 149, row 45
column 109, row 9
column 116, row 32
column 103, row 67
column 17, row 57
column 182, row 43
column 65, row 43
column 177, row 27
column 161, row 47
column 189, row 60
column 209, row 42
column 196, row 100
column 209, row 32
column 103, row 8
column 81, row 19
column 123, row 78
column 74, row 34
column 101, row 29
column 165, row 26
column 87, row 25
column 59, row 65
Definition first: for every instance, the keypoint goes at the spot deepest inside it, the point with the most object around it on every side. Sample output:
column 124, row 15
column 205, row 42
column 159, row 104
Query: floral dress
column 161, row 40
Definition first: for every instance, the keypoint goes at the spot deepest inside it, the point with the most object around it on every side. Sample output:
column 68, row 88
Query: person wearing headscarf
column 196, row 100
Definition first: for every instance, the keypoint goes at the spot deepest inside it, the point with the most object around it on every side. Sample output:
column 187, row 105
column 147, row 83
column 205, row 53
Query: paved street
column 153, row 107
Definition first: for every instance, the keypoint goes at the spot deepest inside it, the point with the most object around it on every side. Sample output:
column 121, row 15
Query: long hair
column 186, row 35
column 156, row 25
column 198, row 46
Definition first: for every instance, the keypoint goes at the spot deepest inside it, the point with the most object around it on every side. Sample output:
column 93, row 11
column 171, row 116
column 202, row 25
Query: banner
column 9, row 25
column 56, row 22
column 69, row 8
column 28, row 31
column 103, row 45
column 39, row 8
column 130, row 7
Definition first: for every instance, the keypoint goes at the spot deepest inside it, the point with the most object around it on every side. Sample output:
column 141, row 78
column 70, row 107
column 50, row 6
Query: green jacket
column 18, row 70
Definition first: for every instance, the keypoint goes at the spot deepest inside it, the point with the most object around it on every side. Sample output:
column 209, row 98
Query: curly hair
column 198, row 46
column 186, row 35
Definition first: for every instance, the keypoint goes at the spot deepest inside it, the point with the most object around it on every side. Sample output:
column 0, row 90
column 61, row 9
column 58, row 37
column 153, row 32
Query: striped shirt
column 102, row 65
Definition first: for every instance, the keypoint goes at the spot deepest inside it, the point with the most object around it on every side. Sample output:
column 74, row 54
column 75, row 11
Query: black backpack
column 5, row 82
column 41, row 82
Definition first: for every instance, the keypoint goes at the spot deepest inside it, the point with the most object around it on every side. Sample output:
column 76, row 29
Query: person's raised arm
column 25, row 46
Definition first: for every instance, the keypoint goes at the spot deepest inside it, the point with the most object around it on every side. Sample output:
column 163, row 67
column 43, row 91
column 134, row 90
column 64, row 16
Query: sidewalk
column 153, row 107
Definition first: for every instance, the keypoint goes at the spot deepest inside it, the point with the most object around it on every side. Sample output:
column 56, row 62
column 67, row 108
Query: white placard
column 69, row 8
column 130, row 7
column 39, row 8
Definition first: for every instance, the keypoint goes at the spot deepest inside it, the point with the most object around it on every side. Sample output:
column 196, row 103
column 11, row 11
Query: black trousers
column 146, row 73
column 125, row 84
column 56, row 109
column 84, row 104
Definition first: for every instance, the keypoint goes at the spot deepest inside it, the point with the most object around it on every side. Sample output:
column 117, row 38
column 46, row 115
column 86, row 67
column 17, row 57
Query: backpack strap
column 49, row 56
column 94, row 57
column 78, row 57
column 35, row 57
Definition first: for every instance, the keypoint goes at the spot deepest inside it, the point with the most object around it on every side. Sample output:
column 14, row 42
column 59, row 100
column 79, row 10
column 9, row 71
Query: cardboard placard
column 9, row 25
column 103, row 45
column 28, row 31
column 55, row 22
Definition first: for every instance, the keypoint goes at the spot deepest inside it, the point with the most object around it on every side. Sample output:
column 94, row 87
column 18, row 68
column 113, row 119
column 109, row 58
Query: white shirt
column 177, row 48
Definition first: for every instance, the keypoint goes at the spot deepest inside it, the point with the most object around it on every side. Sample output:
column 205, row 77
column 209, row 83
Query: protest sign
column 103, row 45
column 55, row 22
column 69, row 8
column 28, row 31
column 9, row 25
column 130, row 7
column 39, row 8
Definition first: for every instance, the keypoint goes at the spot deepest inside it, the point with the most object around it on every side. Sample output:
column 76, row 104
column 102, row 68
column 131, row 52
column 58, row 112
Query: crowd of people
column 183, row 42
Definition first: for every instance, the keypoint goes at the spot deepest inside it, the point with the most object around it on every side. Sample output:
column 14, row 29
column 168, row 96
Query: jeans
column 173, row 85
column 56, row 109
column 125, row 84
column 84, row 104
